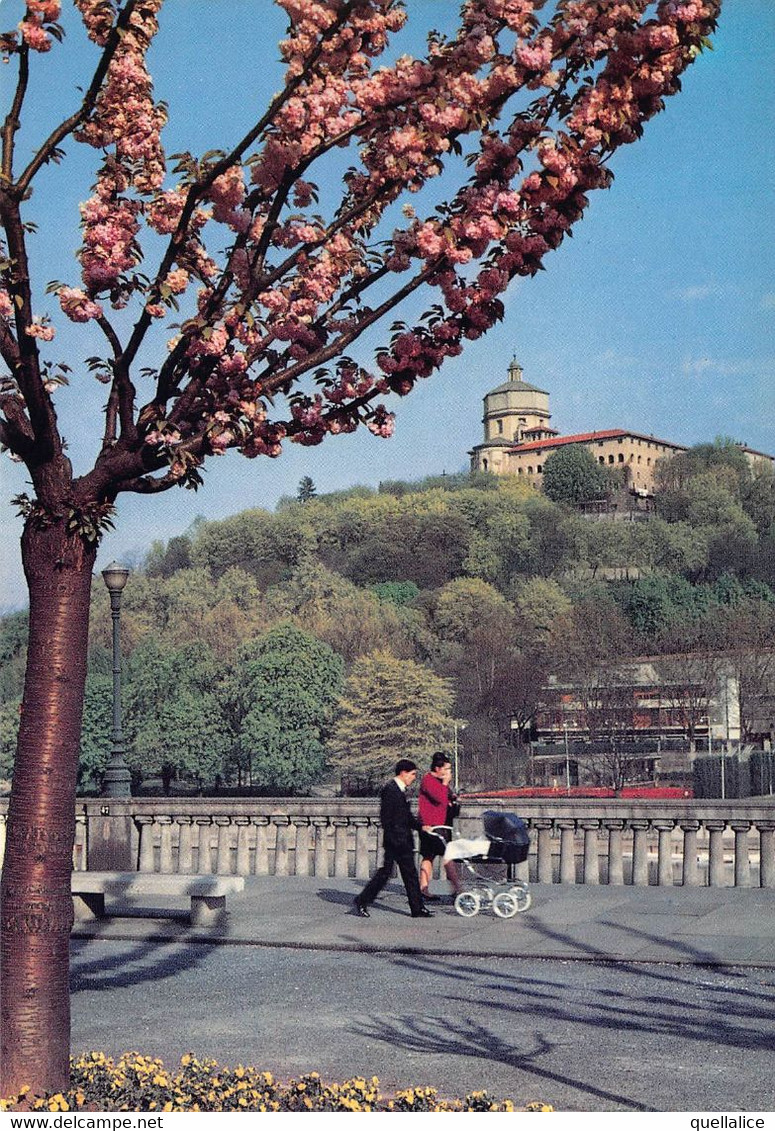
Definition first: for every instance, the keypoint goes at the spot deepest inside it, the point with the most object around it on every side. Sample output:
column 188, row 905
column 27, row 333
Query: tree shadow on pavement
column 148, row 961
column 738, row 1017
column 430, row 1036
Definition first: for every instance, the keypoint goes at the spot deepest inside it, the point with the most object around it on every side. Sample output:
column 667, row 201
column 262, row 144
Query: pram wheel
column 505, row 905
column 467, row 904
column 522, row 897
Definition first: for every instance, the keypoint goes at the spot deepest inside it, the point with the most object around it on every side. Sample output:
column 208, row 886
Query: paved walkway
column 699, row 926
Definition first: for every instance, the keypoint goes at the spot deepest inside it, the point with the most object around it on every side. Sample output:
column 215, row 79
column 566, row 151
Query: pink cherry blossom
column 77, row 305
column 41, row 330
column 35, row 35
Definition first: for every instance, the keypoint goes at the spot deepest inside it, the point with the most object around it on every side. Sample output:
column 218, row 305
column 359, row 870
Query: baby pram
column 482, row 866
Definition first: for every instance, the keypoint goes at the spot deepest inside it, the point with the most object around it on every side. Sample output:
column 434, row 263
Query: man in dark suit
column 398, row 824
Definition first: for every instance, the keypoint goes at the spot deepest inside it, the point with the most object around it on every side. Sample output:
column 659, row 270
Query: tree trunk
column 37, row 910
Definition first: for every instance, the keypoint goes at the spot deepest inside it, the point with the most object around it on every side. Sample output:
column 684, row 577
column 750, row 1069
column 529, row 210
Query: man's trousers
column 404, row 858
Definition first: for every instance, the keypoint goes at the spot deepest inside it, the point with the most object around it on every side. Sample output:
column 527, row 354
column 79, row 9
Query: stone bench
column 207, row 893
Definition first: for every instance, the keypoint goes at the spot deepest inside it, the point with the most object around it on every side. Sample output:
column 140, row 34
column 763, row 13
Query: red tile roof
column 590, row 437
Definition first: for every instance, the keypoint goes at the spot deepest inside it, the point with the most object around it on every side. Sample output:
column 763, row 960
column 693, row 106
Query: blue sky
column 657, row 316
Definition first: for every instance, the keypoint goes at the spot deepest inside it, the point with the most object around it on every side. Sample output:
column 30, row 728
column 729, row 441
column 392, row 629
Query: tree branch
column 12, row 121
column 70, row 124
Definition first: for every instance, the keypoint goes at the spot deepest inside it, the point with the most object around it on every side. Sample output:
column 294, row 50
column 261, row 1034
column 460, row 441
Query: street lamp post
column 116, row 781
column 458, row 725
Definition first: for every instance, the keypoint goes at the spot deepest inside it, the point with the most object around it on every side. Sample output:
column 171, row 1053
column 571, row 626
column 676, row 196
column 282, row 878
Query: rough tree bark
column 36, row 902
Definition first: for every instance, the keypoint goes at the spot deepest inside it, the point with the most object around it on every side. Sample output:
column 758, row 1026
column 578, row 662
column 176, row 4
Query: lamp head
column 115, row 577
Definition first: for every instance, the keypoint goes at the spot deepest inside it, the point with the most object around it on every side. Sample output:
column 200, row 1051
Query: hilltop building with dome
column 518, row 439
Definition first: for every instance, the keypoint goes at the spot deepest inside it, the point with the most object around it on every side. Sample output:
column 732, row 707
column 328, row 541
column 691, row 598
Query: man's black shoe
column 361, row 909
column 423, row 913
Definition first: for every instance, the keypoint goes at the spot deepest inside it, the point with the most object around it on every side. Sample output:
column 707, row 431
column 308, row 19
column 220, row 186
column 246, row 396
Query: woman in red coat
column 436, row 806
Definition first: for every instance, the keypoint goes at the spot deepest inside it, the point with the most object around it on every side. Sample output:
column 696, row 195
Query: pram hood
column 508, row 836
column 507, row 827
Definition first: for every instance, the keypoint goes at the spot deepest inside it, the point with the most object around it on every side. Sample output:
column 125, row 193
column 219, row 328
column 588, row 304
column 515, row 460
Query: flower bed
column 139, row 1083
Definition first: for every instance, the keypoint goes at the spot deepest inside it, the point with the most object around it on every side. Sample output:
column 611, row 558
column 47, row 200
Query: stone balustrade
column 573, row 841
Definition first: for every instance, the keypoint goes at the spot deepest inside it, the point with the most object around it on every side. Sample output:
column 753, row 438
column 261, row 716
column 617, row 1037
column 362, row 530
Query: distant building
column 647, row 715
column 518, row 439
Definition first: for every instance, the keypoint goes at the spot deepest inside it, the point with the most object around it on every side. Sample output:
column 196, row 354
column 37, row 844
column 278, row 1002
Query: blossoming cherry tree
column 252, row 284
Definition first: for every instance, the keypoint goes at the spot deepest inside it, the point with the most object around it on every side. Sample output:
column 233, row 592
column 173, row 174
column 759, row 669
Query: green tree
column 398, row 593
column 554, row 537
column 173, row 718
column 572, row 475
column 96, row 731
column 282, row 692
column 541, row 602
column 163, row 561
column 351, row 620
column 9, row 729
column 759, row 500
column 674, row 474
column 306, row 490
column 13, row 653
column 482, row 655
column 390, row 709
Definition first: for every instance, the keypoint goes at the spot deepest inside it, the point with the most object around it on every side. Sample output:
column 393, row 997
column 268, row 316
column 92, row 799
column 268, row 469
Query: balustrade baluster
column 185, row 845
column 262, row 846
column 615, row 852
column 204, row 844
column 591, row 856
column 716, row 876
column 766, row 853
column 362, row 865
column 165, row 844
column 243, row 845
column 301, row 856
column 665, row 828
column 544, row 865
column 567, row 827
column 281, row 846
column 640, row 852
column 340, row 846
column 223, row 851
column 690, row 874
column 80, row 863
column 147, row 862
column 321, row 845
column 742, row 855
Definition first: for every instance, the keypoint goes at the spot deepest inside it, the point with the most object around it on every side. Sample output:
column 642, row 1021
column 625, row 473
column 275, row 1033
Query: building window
column 539, row 469
column 529, row 470
column 500, row 426
column 519, row 471
column 610, row 459
column 484, row 464
column 621, row 457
